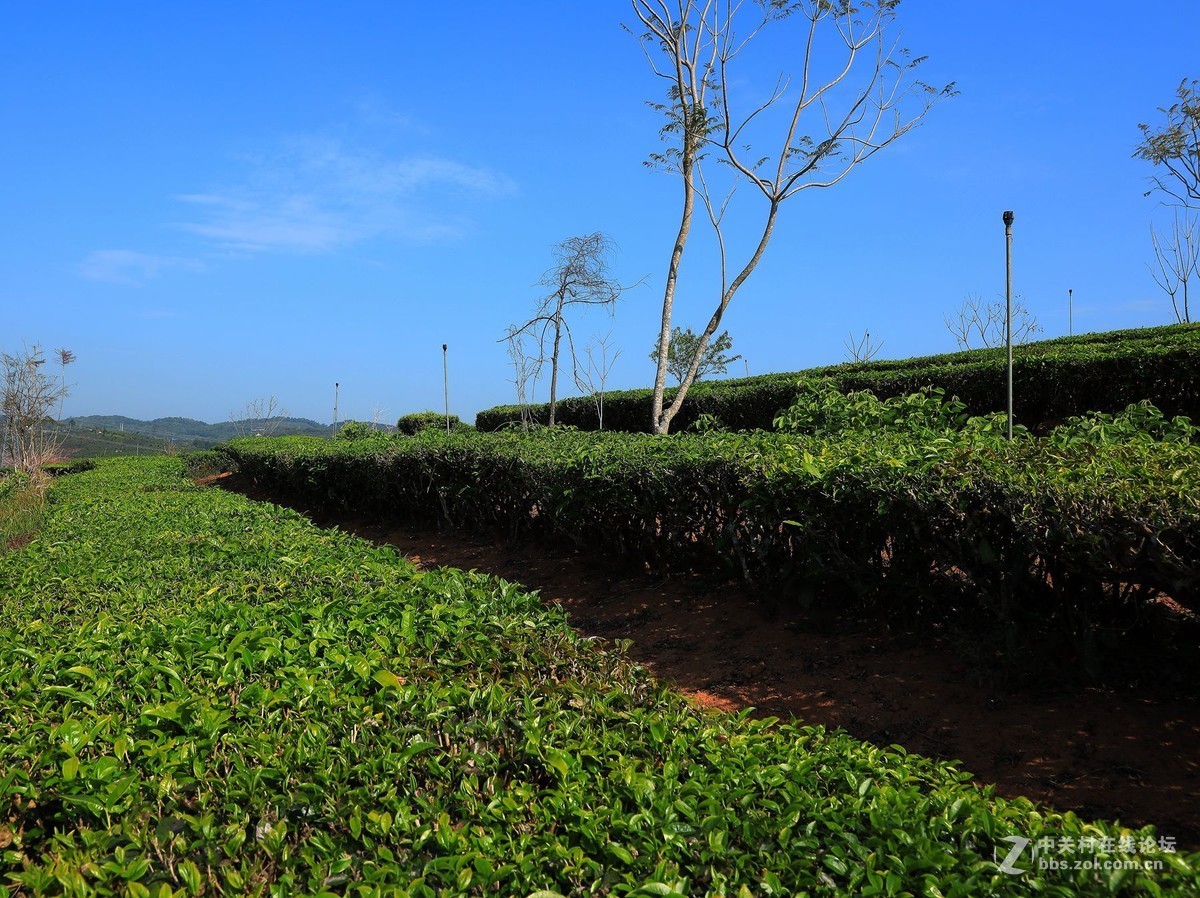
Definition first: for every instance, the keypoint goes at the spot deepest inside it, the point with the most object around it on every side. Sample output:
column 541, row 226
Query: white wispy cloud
column 318, row 195
column 122, row 266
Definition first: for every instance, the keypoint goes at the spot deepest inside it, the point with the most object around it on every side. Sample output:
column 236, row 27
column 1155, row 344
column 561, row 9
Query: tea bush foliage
column 417, row 421
column 1058, row 533
column 1053, row 380
column 201, row 695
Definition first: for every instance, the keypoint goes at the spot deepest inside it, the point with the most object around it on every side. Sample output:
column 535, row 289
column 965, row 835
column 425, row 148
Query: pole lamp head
column 1008, row 219
column 443, row 347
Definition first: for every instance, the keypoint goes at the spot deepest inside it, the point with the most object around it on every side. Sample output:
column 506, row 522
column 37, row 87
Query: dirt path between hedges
column 1129, row 755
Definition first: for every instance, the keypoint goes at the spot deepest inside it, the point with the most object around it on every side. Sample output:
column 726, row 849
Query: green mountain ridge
column 189, row 430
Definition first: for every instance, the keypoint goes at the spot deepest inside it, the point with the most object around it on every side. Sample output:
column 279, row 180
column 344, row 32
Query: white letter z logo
column 1019, row 844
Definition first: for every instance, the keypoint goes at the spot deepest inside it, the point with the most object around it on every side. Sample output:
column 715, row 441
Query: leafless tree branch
column 976, row 324
column 693, row 44
column 1177, row 262
column 580, row 277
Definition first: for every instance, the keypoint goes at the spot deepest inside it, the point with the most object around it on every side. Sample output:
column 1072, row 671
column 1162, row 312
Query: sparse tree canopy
column 591, row 376
column 579, row 277
column 30, row 399
column 861, row 349
column 65, row 357
column 979, row 325
column 261, row 417
column 527, row 368
column 682, row 351
column 853, row 93
column 1177, row 262
column 1174, row 148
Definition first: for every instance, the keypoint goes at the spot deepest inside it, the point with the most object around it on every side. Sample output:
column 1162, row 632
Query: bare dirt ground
column 1125, row 754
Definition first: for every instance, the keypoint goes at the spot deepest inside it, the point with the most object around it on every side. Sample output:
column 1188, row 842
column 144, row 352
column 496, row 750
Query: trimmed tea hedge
column 202, row 695
column 1066, row 535
column 1053, row 379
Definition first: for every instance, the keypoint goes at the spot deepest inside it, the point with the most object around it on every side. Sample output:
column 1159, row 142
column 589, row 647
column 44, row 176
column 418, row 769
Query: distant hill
column 188, row 432
column 84, row 442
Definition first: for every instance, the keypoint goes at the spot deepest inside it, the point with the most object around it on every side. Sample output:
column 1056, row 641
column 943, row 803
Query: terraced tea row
column 204, row 695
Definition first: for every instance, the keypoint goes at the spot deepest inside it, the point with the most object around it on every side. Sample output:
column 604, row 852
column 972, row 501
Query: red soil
column 1127, row 754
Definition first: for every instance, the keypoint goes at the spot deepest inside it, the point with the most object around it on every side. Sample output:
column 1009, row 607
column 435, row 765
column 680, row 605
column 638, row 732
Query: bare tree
column 65, row 357
column 527, row 368
column 976, row 324
column 863, row 349
column 261, row 417
column 592, row 376
column 1176, row 147
column 580, row 277
column 854, row 84
column 1177, row 262
column 30, row 398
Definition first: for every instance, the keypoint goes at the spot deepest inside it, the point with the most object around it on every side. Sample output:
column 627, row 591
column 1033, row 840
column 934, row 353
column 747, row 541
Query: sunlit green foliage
column 1139, row 422
column 821, row 408
column 417, row 421
column 204, row 695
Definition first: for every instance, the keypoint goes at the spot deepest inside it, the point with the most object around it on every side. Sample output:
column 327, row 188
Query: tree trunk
column 666, row 416
column 554, row 361
column 659, row 423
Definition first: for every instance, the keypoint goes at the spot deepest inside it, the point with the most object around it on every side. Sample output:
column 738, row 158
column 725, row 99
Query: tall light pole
column 1070, row 312
column 446, row 387
column 1008, row 223
column 335, row 403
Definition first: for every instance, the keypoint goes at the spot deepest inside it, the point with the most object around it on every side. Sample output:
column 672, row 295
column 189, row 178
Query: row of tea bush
column 204, row 695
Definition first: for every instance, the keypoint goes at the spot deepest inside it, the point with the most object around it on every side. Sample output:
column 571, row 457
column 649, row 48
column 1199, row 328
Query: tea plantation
column 202, row 695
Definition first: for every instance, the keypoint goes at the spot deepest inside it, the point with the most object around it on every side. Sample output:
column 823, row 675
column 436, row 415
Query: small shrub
column 61, row 469
column 418, row 421
column 355, row 430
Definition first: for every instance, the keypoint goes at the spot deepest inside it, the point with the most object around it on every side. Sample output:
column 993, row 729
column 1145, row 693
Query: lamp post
column 336, row 385
column 1008, row 223
column 446, row 387
column 1070, row 312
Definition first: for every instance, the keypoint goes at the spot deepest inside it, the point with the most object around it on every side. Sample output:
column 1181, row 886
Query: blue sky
column 214, row 202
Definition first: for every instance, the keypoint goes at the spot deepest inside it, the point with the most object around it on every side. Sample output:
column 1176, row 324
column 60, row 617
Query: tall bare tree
column 65, row 357
column 1174, row 149
column 854, row 94
column 30, row 398
column 1177, row 262
column 579, row 277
